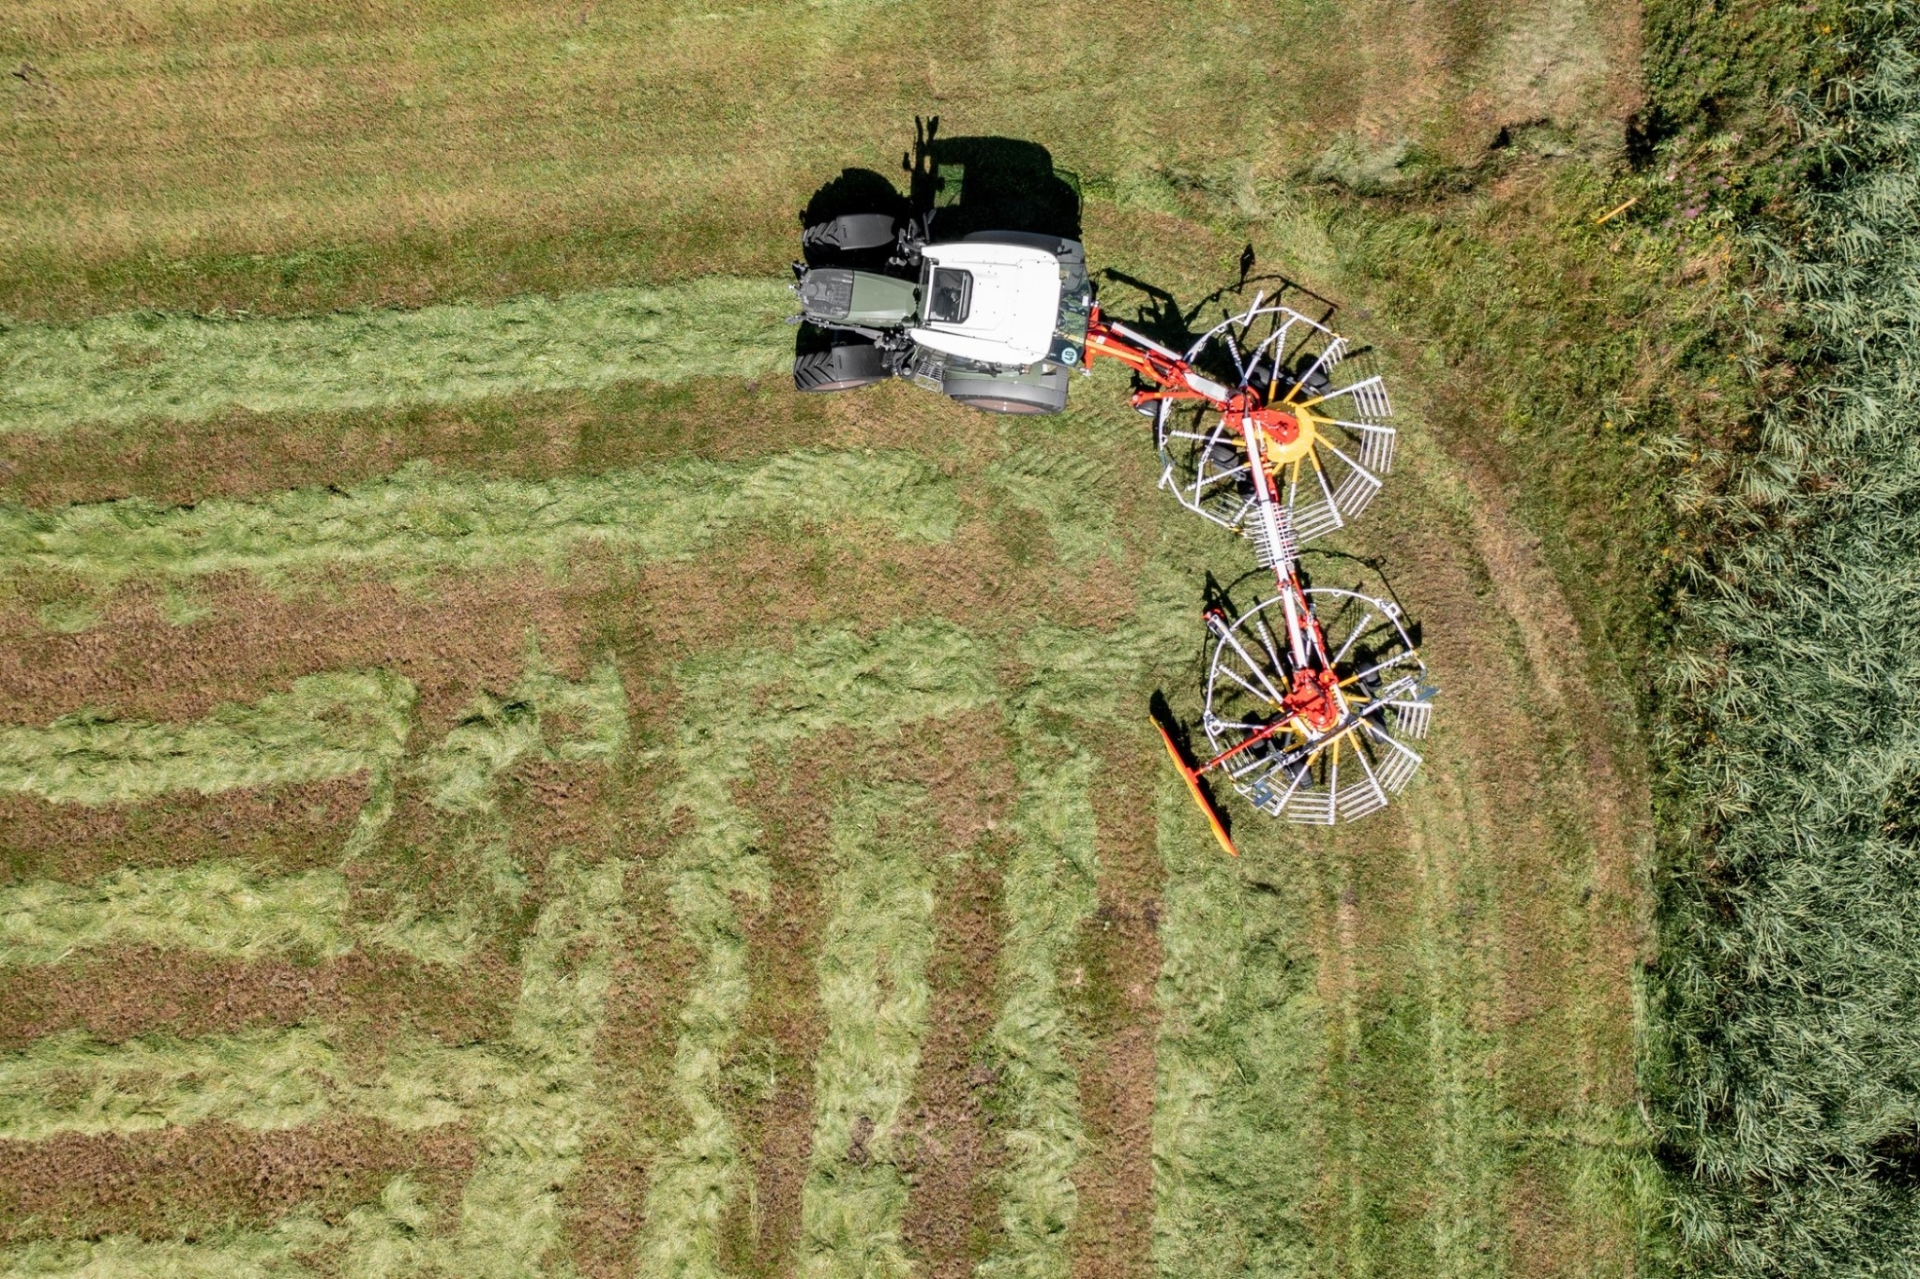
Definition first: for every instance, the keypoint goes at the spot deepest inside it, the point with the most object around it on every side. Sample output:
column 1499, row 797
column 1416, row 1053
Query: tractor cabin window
column 951, row 294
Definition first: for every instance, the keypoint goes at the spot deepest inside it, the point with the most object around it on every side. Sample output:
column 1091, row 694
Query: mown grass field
column 493, row 783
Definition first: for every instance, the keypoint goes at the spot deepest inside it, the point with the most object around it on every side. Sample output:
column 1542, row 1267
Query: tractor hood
column 995, row 303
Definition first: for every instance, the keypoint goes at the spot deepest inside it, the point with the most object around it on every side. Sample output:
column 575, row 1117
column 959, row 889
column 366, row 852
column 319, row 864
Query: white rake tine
column 1299, row 776
column 1335, row 450
column 1253, row 667
column 1229, row 672
column 1363, row 391
column 1365, row 625
column 1266, row 640
column 1320, row 474
column 1378, row 667
column 1397, row 744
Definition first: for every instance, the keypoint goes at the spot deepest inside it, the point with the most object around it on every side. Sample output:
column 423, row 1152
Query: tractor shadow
column 965, row 184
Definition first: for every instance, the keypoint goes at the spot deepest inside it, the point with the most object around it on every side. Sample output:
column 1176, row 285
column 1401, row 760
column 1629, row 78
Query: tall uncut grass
column 1789, row 984
column 419, row 519
column 125, row 368
column 741, row 711
column 873, row 994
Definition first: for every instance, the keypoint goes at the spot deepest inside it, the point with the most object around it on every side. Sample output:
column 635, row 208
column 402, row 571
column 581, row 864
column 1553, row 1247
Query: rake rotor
column 1314, row 697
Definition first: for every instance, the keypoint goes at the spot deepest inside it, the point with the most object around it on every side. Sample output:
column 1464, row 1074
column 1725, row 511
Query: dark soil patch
column 185, row 1181
column 287, row 828
column 117, row 994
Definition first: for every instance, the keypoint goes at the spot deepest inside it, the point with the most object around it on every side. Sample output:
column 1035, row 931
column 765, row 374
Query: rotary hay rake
column 1314, row 696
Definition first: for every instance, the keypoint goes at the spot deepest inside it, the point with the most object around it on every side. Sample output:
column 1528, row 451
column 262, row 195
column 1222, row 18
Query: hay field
column 492, row 783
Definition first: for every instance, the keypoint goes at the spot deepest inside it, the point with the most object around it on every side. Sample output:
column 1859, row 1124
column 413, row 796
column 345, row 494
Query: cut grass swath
column 267, row 1079
column 322, row 727
column 510, row 1210
column 1048, row 887
column 125, row 368
column 419, row 520
column 214, row 907
column 534, row 1097
column 544, row 716
column 1235, row 1127
column 873, row 993
column 910, row 672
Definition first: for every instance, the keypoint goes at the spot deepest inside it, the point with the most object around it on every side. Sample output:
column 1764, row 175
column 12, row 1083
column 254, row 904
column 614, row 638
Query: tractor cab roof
column 994, row 303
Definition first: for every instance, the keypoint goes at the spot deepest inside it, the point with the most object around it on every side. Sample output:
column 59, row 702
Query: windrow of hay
column 419, row 520
column 125, row 368
column 873, row 991
column 1234, row 1124
column 737, row 705
column 544, row 716
column 322, row 727
column 1048, row 885
column 215, row 907
column 267, row 1079
column 224, row 1254
column 325, row 725
column 534, row 1097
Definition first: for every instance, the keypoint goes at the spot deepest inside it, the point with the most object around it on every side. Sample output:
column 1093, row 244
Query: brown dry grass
column 287, row 829
column 177, row 1181
column 117, row 994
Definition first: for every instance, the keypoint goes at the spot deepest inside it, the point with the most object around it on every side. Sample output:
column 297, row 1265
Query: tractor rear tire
column 850, row 233
column 1045, row 394
column 840, row 368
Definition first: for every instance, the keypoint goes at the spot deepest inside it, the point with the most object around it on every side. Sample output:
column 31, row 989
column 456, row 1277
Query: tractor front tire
column 840, row 368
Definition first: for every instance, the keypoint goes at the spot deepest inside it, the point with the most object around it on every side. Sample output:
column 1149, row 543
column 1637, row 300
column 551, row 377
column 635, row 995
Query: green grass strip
column 324, row 726
column 873, row 993
column 264, row 1079
column 420, row 519
column 732, row 704
column 215, row 907
column 126, row 368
